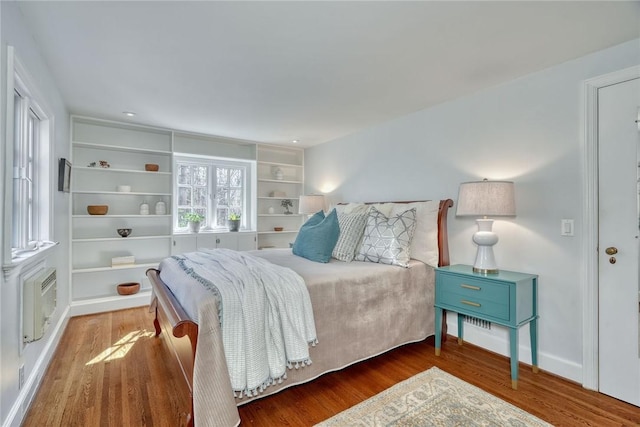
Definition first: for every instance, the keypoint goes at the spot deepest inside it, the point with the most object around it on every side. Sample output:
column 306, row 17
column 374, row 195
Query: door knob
column 611, row 250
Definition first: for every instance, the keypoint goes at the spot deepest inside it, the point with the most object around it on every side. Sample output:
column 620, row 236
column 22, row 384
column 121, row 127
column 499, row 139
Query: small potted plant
column 194, row 219
column 286, row 204
column 234, row 221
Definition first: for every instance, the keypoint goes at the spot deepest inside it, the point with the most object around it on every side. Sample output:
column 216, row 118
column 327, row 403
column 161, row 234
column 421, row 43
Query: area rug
column 433, row 398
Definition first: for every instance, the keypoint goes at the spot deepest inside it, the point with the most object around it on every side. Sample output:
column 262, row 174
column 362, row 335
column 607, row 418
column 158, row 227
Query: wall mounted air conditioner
column 39, row 303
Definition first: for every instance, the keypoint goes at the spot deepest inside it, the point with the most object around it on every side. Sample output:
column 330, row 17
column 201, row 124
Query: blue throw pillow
column 317, row 237
column 315, row 219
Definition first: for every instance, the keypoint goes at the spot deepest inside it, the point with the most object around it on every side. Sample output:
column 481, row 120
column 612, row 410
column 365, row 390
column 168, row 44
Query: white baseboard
column 32, row 382
column 100, row 305
column 497, row 340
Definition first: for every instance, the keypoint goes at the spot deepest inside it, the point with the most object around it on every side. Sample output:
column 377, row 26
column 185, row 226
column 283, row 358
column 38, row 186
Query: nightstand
column 508, row 298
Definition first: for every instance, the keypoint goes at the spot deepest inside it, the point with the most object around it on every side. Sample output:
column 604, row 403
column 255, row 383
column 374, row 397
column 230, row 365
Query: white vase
column 279, row 174
column 161, row 208
column 271, row 210
column 144, row 208
column 194, row 227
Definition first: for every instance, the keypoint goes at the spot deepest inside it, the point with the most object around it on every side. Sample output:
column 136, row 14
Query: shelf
column 121, row 216
column 277, row 198
column 123, row 267
column 278, row 232
column 82, row 306
column 112, row 239
column 99, row 169
column 94, row 241
column 281, row 181
column 291, row 161
column 119, row 148
column 125, row 193
column 287, row 165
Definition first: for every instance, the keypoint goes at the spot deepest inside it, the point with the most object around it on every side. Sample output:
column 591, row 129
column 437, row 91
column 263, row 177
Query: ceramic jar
column 279, row 174
column 161, row 208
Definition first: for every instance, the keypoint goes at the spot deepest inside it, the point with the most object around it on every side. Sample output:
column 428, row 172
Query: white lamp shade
column 486, row 198
column 311, row 204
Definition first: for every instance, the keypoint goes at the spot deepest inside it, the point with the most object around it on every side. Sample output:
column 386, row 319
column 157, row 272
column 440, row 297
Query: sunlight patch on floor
column 121, row 348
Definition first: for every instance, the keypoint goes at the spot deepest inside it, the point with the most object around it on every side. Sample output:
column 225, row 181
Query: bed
column 361, row 309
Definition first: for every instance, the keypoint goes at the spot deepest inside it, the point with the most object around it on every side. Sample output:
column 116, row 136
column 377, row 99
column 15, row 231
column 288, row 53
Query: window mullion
column 212, row 199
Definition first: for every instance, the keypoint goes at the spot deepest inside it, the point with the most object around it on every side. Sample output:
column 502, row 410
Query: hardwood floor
column 109, row 370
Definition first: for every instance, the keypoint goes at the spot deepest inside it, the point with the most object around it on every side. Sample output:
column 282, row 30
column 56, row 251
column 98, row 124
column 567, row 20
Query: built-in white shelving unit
column 94, row 239
column 280, row 177
column 127, row 148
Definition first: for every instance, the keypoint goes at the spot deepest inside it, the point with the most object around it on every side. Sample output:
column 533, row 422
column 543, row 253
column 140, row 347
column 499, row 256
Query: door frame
column 589, row 275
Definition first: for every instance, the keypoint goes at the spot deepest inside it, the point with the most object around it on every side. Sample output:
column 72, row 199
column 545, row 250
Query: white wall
column 528, row 130
column 36, row 355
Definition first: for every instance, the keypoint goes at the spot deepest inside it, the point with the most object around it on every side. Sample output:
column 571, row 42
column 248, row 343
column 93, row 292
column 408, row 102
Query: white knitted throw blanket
column 265, row 314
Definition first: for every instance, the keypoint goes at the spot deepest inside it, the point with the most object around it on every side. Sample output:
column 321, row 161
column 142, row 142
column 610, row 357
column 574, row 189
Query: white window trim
column 248, row 214
column 18, row 77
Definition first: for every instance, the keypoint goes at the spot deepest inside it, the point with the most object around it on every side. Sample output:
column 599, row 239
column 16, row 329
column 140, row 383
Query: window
column 31, row 187
column 25, row 177
column 213, row 188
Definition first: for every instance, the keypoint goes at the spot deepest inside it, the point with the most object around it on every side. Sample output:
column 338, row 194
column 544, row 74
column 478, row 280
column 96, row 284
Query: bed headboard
column 443, row 236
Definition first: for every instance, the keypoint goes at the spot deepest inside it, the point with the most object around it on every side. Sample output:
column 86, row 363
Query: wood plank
column 135, row 387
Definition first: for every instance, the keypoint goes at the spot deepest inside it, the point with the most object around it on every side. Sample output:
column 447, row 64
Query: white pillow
column 424, row 245
column 385, row 208
column 350, row 208
column 351, row 230
column 387, row 240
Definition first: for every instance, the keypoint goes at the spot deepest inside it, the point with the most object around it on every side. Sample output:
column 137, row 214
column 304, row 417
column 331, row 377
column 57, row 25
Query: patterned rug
column 433, row 398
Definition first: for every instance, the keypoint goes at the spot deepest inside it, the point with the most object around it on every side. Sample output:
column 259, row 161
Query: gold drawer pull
column 475, row 304
column 475, row 288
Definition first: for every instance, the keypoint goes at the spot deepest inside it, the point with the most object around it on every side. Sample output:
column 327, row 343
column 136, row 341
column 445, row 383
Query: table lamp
column 484, row 199
column 311, row 204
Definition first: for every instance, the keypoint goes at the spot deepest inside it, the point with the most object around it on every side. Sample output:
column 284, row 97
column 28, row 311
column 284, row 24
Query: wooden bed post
column 443, row 234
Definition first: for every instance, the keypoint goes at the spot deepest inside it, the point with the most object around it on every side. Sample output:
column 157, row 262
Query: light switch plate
column 566, row 227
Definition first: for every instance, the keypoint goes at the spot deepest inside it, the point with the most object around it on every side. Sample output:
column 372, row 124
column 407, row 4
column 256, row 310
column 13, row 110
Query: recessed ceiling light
column 295, row 141
column 129, row 113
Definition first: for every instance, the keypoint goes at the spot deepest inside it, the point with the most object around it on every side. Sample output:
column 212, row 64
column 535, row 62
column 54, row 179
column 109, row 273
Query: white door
column 618, row 139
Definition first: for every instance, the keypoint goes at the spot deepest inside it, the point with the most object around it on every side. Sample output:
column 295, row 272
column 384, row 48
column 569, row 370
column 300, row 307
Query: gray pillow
column 351, row 230
column 387, row 240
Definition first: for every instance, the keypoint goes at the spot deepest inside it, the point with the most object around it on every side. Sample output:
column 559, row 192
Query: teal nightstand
column 508, row 298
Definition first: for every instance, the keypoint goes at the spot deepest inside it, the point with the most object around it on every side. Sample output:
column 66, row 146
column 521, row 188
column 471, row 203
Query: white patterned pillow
column 387, row 240
column 351, row 208
column 351, row 230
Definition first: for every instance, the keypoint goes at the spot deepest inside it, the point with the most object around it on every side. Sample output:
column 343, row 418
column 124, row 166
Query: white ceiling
column 313, row 71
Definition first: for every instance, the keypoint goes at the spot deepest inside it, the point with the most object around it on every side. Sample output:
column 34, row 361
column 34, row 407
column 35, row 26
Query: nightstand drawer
column 479, row 306
column 474, row 289
column 476, row 296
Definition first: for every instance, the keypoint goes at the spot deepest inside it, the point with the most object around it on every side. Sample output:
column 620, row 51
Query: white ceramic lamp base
column 485, row 238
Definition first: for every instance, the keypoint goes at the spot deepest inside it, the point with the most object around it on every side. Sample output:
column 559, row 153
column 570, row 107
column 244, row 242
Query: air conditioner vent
column 39, row 303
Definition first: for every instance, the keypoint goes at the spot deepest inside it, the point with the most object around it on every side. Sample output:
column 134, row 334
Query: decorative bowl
column 278, row 228
column 151, row 167
column 98, row 209
column 124, row 232
column 128, row 288
column 123, row 188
